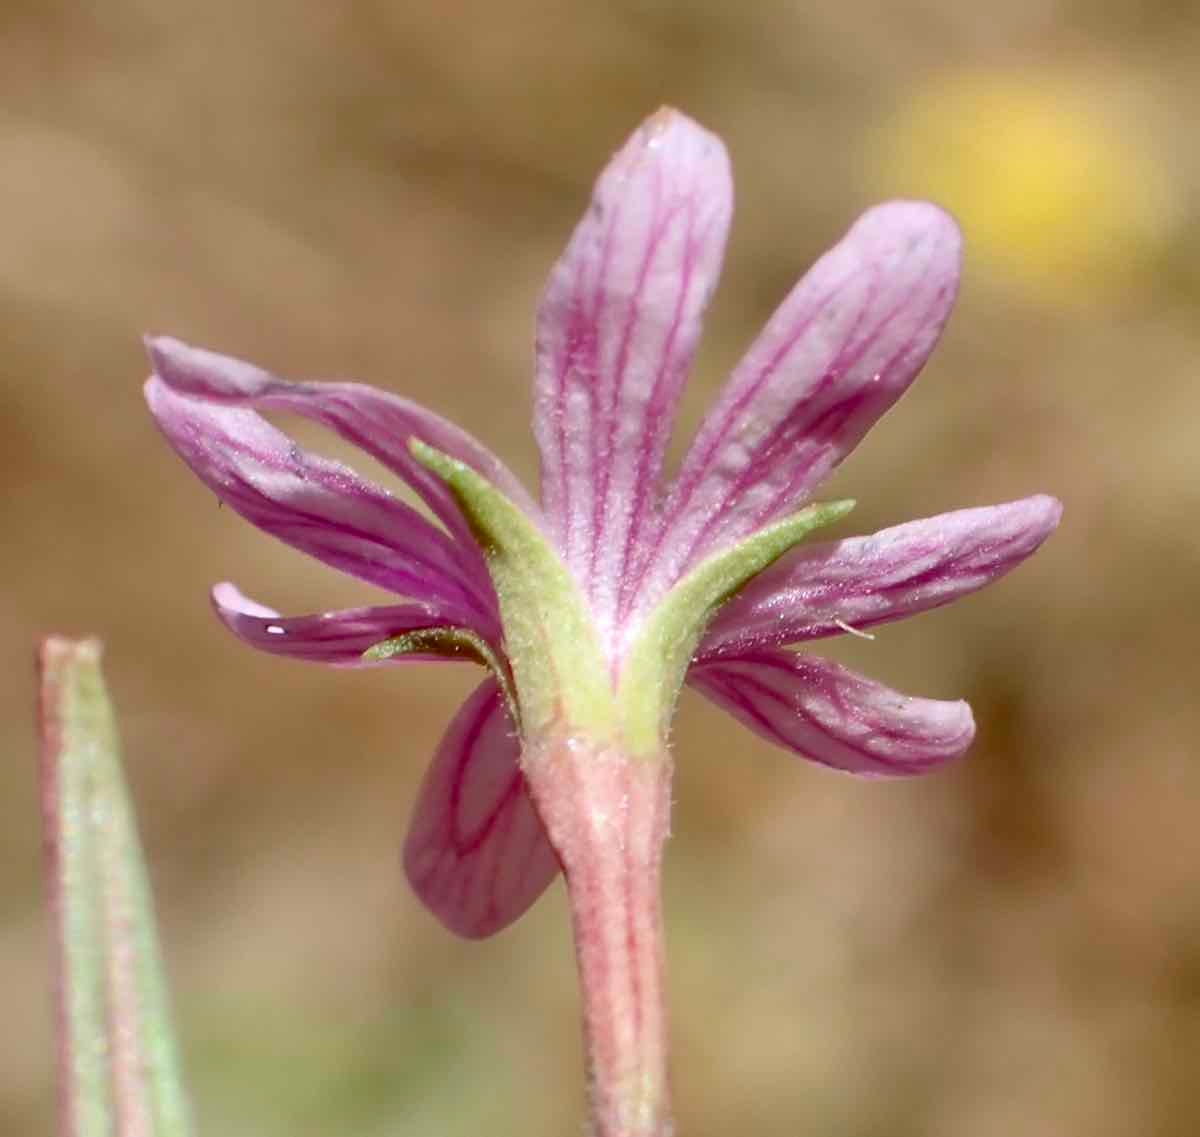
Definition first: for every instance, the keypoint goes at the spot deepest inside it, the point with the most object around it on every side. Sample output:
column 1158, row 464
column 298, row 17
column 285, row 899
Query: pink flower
column 614, row 545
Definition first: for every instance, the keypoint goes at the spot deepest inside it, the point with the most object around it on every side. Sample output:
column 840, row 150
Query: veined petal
column 842, row 348
column 335, row 638
column 321, row 507
column 827, row 713
column 380, row 423
column 476, row 852
column 827, row 589
column 616, row 332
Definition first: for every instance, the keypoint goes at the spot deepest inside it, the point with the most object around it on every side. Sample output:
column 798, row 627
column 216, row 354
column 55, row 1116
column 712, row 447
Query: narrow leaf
column 118, row 1066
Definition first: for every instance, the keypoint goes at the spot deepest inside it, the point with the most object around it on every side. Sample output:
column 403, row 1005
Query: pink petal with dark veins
column 827, row 713
column 476, row 852
column 380, row 423
column 321, row 507
column 823, row 590
column 616, row 331
column 842, row 348
column 335, row 638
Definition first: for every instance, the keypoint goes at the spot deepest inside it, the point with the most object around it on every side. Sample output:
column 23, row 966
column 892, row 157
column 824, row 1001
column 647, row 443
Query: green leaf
column 657, row 662
column 557, row 664
column 449, row 643
column 118, row 1063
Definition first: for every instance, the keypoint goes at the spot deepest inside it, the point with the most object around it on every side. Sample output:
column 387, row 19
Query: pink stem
column 607, row 817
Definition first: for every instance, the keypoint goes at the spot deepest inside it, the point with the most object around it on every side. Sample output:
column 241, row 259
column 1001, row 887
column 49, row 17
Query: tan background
column 377, row 189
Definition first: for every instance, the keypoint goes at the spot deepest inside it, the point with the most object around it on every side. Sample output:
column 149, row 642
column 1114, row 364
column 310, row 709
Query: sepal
column 657, row 661
column 558, row 667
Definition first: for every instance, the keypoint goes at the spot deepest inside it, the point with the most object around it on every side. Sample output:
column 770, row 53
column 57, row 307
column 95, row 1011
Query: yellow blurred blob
column 1045, row 175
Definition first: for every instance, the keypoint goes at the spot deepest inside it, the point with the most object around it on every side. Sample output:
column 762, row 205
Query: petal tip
column 466, row 925
column 666, row 119
column 948, row 726
column 1034, row 519
column 201, row 373
column 913, row 214
column 961, row 718
column 671, row 136
column 229, row 601
column 1049, row 510
column 914, row 226
column 949, row 730
column 165, row 352
column 157, row 341
column 168, row 407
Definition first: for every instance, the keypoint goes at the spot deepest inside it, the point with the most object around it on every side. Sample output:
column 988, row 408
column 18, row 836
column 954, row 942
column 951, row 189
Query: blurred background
column 376, row 189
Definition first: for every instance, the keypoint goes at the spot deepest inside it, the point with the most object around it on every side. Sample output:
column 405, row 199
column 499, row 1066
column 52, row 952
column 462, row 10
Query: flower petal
column 476, row 852
column 321, row 507
column 380, row 423
column 842, row 348
column 829, row 714
column 616, row 332
column 335, row 638
column 823, row 590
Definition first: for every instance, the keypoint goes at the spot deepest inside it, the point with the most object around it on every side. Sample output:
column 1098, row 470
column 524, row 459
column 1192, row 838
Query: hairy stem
column 607, row 817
